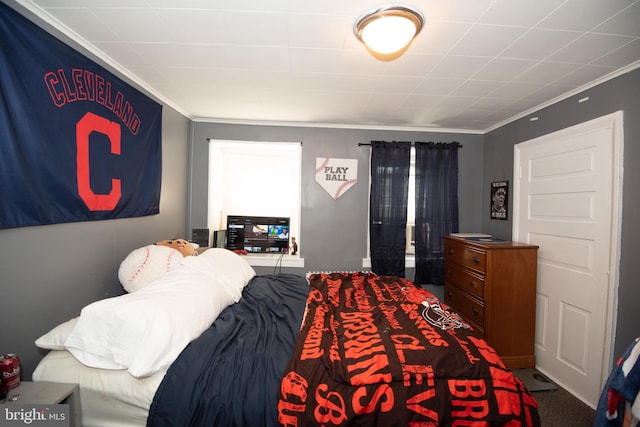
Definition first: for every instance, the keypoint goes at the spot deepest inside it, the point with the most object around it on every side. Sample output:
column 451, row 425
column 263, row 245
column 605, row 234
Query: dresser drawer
column 467, row 256
column 464, row 279
column 464, row 304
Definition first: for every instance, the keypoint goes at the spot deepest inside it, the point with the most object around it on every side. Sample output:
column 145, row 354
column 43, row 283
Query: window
column 255, row 179
column 436, row 206
column 411, row 206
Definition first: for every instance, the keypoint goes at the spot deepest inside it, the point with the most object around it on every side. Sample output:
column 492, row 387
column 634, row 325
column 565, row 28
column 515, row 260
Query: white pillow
column 55, row 338
column 227, row 266
column 145, row 331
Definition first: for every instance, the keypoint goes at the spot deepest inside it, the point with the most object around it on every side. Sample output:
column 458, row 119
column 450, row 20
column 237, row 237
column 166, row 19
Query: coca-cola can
column 10, row 372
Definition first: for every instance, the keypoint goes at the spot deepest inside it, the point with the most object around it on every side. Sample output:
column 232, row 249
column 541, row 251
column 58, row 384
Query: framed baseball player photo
column 500, row 200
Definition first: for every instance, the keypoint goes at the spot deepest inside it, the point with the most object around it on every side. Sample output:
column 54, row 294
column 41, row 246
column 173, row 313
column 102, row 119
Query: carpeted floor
column 559, row 408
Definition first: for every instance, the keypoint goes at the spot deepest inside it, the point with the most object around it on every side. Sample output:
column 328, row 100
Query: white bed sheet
column 107, row 397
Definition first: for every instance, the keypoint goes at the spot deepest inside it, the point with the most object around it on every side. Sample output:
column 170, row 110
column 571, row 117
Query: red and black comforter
column 377, row 350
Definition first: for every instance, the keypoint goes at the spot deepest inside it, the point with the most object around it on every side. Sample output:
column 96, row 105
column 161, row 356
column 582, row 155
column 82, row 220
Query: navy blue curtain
column 436, row 207
column 390, row 164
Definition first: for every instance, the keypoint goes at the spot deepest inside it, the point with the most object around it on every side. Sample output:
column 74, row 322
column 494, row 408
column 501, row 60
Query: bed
column 344, row 348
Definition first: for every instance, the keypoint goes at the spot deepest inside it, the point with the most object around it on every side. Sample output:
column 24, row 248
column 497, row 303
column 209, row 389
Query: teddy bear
column 146, row 264
column 181, row 245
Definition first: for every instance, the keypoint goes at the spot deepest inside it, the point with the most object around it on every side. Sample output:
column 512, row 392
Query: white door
column 566, row 200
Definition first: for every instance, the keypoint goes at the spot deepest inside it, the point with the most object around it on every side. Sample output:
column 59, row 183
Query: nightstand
column 49, row 393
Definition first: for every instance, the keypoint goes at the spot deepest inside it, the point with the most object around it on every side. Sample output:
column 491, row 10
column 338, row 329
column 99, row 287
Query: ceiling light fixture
column 388, row 30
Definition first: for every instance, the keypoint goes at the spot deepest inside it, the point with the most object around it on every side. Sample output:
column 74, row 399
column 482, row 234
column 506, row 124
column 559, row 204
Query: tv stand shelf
column 274, row 260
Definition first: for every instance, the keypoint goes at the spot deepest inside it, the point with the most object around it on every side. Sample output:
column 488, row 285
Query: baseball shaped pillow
column 144, row 265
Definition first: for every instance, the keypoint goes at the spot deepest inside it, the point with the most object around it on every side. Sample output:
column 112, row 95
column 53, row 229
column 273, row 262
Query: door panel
column 566, row 202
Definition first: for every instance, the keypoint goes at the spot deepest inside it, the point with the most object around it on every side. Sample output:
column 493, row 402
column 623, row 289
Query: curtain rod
column 413, row 143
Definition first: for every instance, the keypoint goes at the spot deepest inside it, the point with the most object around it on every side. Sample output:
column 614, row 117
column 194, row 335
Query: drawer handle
column 450, row 251
column 474, row 310
column 449, row 294
column 476, row 260
column 472, row 284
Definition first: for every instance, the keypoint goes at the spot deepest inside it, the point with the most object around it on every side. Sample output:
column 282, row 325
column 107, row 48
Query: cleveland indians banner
column 76, row 142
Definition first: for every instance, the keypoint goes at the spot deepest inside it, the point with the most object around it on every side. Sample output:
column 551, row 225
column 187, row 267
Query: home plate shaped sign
column 336, row 176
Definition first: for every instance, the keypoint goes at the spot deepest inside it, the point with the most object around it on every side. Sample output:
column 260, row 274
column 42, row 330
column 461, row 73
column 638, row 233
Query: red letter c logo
column 93, row 123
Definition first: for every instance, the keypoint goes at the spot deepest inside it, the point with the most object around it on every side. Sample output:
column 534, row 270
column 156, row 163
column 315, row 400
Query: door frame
column 615, row 121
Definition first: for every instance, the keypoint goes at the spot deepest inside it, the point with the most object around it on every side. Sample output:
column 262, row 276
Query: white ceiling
column 477, row 63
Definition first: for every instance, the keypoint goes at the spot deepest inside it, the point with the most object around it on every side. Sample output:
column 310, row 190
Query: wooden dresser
column 493, row 287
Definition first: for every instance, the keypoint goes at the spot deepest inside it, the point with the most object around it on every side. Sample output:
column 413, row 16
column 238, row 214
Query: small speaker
column 200, row 236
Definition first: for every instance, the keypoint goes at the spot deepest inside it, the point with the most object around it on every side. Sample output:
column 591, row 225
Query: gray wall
column 621, row 93
column 334, row 232
column 50, row 272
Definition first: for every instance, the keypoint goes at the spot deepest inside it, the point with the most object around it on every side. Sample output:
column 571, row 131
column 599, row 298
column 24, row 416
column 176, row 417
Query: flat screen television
column 258, row 234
